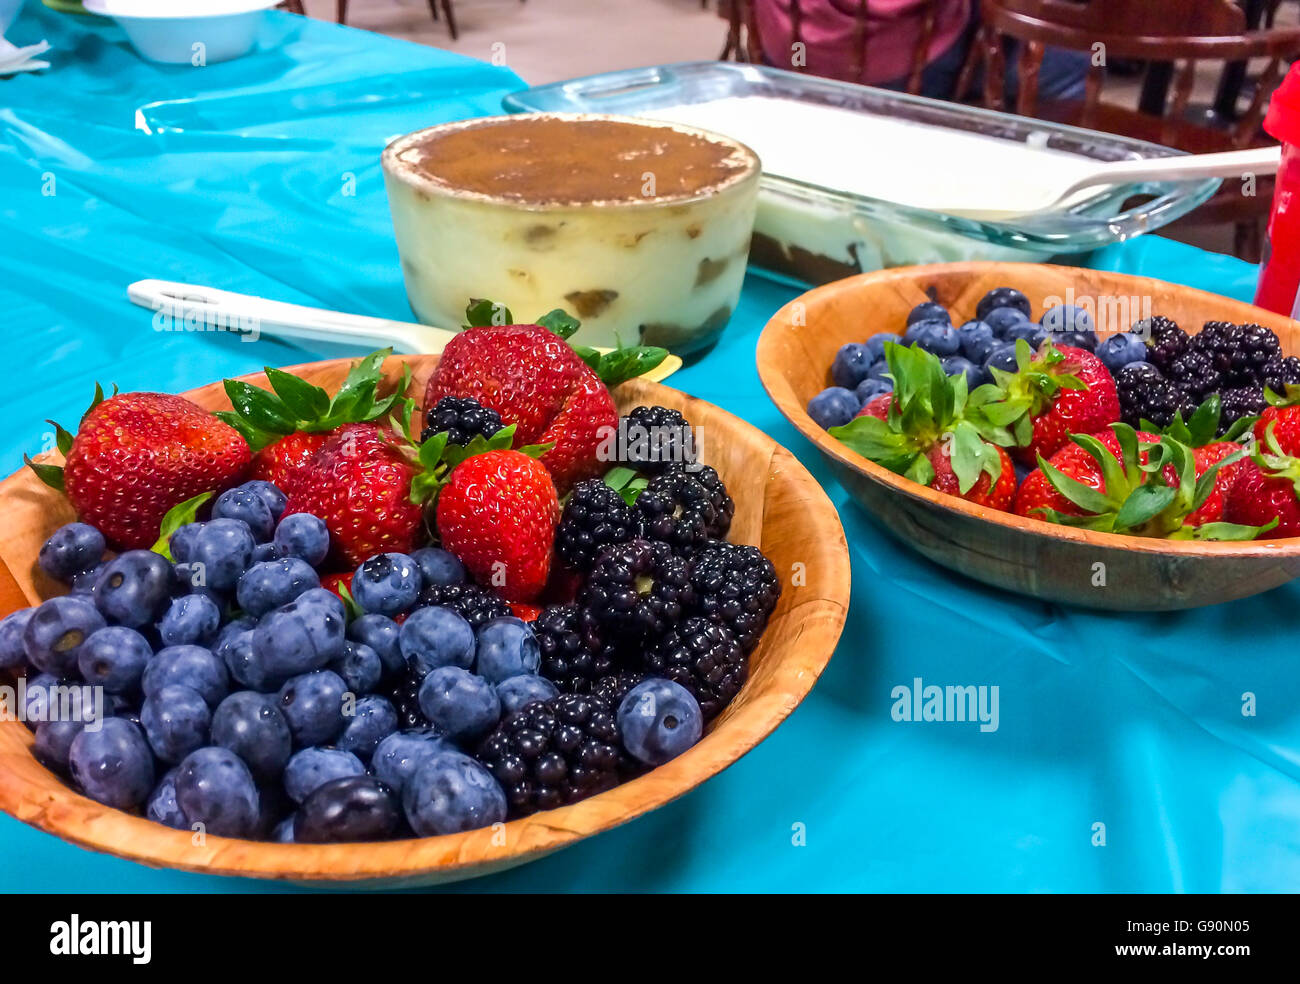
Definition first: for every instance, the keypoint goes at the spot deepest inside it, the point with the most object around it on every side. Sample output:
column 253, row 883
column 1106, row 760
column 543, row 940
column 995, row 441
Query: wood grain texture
column 779, row 507
column 1029, row 556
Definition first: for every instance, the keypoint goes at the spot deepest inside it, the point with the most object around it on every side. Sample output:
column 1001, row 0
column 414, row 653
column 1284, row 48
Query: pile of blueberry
column 242, row 697
column 860, row 373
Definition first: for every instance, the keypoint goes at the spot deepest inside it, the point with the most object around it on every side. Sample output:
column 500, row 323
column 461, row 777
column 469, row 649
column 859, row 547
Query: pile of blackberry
column 656, row 439
column 595, row 517
column 574, row 654
column 404, row 694
column 474, row 604
column 550, row 753
column 704, row 657
column 1234, row 361
column 462, row 418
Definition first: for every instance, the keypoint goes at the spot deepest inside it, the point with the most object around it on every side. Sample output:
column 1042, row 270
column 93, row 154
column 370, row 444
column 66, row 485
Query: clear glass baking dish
column 809, row 233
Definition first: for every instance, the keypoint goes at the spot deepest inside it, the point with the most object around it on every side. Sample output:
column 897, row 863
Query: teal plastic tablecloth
column 240, row 175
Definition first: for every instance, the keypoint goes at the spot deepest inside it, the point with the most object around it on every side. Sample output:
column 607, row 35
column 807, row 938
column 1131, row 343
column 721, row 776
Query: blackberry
column 1238, row 402
column 712, row 482
column 614, row 687
column 1194, row 373
column 1280, row 373
column 595, row 517
column 656, row 439
column 462, row 418
column 1165, row 340
column 1145, row 394
column 475, row 604
column 705, row 658
column 679, row 511
column 736, row 586
column 1240, row 352
column 638, row 590
column 404, row 694
column 553, row 752
column 573, row 652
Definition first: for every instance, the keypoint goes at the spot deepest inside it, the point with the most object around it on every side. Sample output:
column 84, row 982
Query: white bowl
column 197, row 32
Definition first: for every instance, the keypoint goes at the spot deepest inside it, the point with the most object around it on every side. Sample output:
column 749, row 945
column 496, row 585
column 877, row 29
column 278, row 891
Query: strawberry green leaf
column 97, row 399
column 1101, row 523
column 633, row 489
column 920, row 470
column 481, row 312
column 1114, row 475
column 502, row 439
column 627, row 363
column 350, row 606
column 300, row 398
column 255, row 438
column 51, row 475
column 431, row 451
column 536, row 450
column 355, row 398
column 176, row 517
column 972, row 456
column 1291, row 396
column 260, row 408
column 619, row 476
column 1230, row 531
column 588, row 355
column 1143, row 504
column 1083, row 496
column 560, row 322
column 62, row 439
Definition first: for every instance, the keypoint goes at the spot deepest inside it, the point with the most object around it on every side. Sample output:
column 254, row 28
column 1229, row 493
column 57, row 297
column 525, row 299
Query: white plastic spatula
column 242, row 312
column 1026, row 198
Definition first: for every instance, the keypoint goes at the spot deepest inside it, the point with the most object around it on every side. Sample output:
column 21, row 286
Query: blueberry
column 977, row 341
column 450, row 793
column 224, row 548
column 1000, row 297
column 83, row 582
column 272, row 583
column 359, row 666
column 54, row 742
column 312, row 704
column 12, row 652
column 298, row 637
column 927, row 311
column 176, row 720
column 850, row 365
column 181, row 543
column 517, row 691
column 506, row 647
column 869, row 389
column 214, row 788
column 303, row 535
column 833, row 407
column 381, row 634
column 1066, row 317
column 659, row 720
column 36, row 698
column 876, row 345
column 248, row 506
column 283, row 832
column 236, row 651
column 135, row 587
column 251, row 725
column 114, row 658
column 189, row 666
column 112, row 764
column 311, row 768
column 326, row 599
column 191, row 619
column 1003, row 357
column 162, row 806
column 439, row 567
column 387, row 583
column 373, row 720
column 403, row 752
column 938, row 337
column 1034, row 334
column 354, row 808
column 435, row 636
column 270, row 494
column 262, row 553
column 57, row 631
column 1002, row 319
column 458, row 703
column 957, row 365
column 1119, row 350
column 71, row 549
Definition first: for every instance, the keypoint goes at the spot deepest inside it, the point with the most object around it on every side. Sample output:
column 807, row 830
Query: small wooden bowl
column 779, row 507
column 1029, row 556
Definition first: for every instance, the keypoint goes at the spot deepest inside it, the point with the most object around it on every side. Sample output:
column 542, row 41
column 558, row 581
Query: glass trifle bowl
column 638, row 228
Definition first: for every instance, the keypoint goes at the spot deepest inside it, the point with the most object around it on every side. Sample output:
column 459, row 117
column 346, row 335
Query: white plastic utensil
column 195, row 304
column 1027, row 198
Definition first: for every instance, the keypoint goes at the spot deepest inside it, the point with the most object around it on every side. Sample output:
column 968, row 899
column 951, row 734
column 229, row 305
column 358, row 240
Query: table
column 238, row 175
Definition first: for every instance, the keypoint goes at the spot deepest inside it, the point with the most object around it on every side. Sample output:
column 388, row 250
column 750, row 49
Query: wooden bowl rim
column 50, row 805
column 772, row 374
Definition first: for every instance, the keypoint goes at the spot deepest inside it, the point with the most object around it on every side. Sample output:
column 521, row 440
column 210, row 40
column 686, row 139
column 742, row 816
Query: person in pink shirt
column 832, row 36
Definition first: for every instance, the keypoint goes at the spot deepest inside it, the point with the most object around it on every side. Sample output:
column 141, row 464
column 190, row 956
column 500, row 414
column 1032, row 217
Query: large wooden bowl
column 779, row 507
column 1030, row 556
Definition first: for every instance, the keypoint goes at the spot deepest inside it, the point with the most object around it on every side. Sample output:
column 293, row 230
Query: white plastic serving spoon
column 1026, row 198
column 243, row 312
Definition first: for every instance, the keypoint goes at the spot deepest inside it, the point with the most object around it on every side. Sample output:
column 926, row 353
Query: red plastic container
column 1279, row 281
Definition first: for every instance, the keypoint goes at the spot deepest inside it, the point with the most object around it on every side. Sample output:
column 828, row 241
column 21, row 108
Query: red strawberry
column 498, row 513
column 359, row 483
column 524, row 611
column 1267, row 488
column 136, row 455
column 995, row 493
column 1212, row 509
column 533, row 379
column 281, row 462
column 877, row 407
column 338, row 583
column 1285, row 420
column 1057, row 392
column 1036, row 492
